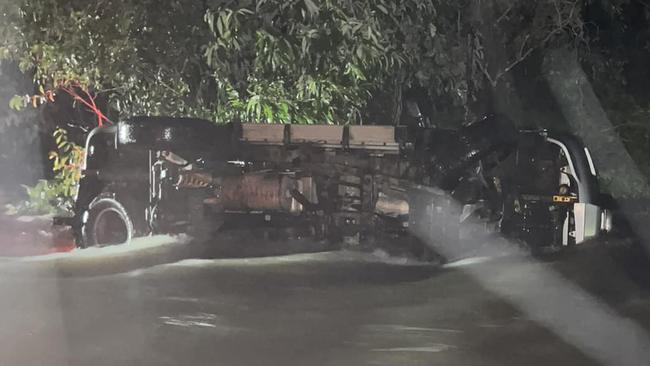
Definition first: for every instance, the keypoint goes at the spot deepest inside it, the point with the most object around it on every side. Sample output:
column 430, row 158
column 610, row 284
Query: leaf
column 311, row 7
column 268, row 113
column 209, row 18
column 221, row 24
column 17, row 102
column 245, row 11
column 433, row 30
column 304, row 45
column 359, row 52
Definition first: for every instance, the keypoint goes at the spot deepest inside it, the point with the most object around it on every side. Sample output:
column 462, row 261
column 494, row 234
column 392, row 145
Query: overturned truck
column 347, row 185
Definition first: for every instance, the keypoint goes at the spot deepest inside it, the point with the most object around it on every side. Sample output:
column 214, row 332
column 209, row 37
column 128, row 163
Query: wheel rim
column 110, row 228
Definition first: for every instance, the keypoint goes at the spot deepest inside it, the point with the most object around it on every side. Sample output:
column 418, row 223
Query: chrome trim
column 592, row 167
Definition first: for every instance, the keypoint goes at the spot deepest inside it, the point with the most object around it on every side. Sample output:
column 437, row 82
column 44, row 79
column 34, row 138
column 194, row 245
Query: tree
column 303, row 61
column 328, row 61
column 316, row 62
column 122, row 50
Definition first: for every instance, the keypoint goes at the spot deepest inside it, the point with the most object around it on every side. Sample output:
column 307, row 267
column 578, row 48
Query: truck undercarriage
column 350, row 185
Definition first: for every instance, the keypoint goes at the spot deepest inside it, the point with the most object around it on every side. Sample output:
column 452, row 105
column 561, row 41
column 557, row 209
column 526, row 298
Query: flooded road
column 167, row 302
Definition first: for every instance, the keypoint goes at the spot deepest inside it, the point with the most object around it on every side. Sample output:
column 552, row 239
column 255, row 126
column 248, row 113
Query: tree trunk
column 582, row 110
column 584, row 113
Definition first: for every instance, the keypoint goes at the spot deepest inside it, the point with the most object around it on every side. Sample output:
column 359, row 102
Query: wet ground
column 164, row 302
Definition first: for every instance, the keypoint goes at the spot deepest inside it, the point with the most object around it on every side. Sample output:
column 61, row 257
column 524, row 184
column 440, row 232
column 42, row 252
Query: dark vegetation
column 309, row 61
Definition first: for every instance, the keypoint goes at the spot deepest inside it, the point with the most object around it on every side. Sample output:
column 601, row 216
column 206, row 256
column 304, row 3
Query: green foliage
column 17, row 103
column 45, row 198
column 316, row 62
column 67, row 162
column 265, row 60
column 57, row 195
column 301, row 61
column 127, row 49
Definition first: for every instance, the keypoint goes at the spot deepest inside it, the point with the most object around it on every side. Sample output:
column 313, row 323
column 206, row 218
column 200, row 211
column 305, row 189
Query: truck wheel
column 107, row 223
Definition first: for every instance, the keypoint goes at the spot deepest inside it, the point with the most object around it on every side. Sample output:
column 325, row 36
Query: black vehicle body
column 345, row 184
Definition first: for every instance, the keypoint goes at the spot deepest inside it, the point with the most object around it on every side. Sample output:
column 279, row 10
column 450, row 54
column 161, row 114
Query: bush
column 55, row 196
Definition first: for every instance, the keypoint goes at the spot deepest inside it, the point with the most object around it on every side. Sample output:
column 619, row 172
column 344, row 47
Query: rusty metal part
column 190, row 179
column 391, row 205
column 264, row 192
column 257, row 192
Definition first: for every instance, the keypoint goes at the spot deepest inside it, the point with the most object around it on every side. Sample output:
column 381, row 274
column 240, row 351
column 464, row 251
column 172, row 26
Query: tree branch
column 504, row 15
column 88, row 103
column 562, row 23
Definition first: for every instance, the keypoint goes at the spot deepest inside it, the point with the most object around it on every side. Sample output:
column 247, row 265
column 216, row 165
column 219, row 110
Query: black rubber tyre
column 106, row 223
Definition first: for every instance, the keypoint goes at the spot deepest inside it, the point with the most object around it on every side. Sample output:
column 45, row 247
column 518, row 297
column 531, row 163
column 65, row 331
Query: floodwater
column 164, row 301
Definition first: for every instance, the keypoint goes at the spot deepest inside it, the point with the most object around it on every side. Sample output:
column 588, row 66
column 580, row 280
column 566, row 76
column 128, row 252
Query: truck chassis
column 349, row 185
